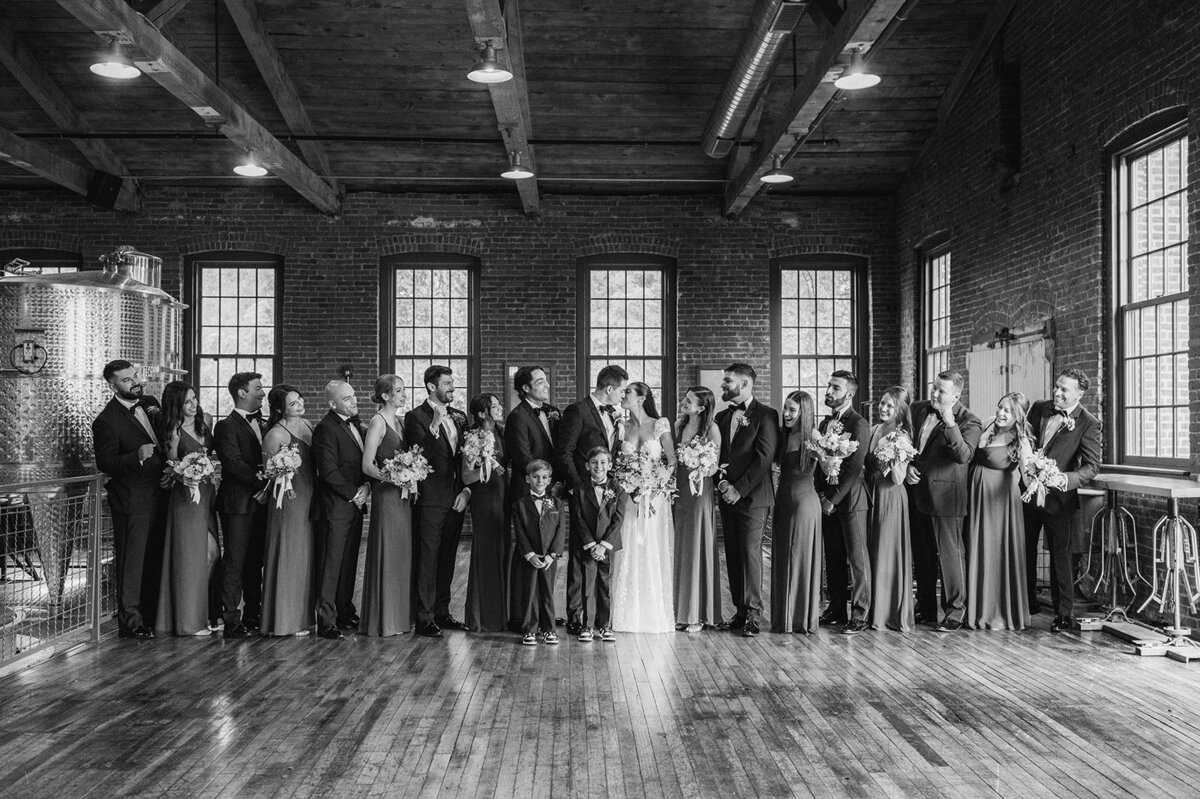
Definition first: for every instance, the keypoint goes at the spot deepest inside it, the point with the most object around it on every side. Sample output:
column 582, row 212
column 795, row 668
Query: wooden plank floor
column 922, row 714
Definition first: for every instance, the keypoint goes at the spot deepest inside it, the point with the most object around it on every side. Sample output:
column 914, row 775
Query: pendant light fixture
column 487, row 68
column 515, row 170
column 776, row 174
column 115, row 65
column 856, row 76
column 250, row 168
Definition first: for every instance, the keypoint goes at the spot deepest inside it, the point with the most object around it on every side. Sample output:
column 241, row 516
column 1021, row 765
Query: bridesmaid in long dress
column 288, row 586
column 796, row 548
column 697, row 569
column 190, row 550
column 888, row 542
column 387, row 576
column 491, row 540
column 997, row 597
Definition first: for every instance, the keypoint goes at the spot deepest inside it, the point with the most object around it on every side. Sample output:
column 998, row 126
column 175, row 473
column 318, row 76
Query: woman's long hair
column 480, row 403
column 1018, row 405
column 173, row 397
column 643, row 390
column 707, row 403
column 902, row 399
column 277, row 402
column 805, row 424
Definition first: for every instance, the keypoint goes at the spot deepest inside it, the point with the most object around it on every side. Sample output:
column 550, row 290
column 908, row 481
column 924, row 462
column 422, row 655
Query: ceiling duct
column 770, row 26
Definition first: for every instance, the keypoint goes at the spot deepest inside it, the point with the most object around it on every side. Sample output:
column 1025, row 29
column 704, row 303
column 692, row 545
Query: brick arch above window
column 455, row 244
column 243, row 242
column 1137, row 119
column 40, row 240
column 820, row 245
column 633, row 244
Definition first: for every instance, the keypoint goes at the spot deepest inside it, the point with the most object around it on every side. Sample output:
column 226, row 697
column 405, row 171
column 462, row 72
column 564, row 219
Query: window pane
column 816, row 328
column 625, row 324
column 434, row 327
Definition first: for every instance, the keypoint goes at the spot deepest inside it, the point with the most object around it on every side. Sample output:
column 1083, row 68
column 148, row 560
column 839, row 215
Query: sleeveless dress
column 642, row 591
column 288, row 586
column 889, row 545
column 796, row 549
column 697, row 567
column 183, row 594
column 387, row 574
column 997, row 594
column 491, row 543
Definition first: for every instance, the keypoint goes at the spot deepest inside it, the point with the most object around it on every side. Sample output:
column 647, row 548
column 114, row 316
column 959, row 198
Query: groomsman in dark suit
column 127, row 450
column 529, row 433
column 844, row 505
column 439, row 430
column 749, row 436
column 947, row 434
column 238, row 441
column 585, row 425
column 1065, row 431
column 340, row 493
column 597, row 510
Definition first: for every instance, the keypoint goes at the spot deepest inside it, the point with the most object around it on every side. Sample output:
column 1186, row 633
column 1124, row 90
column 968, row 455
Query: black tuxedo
column 337, row 457
column 749, row 454
column 541, row 534
column 438, row 525
column 138, row 507
column 939, row 505
column 844, row 532
column 595, row 524
column 525, row 440
column 243, row 521
column 1077, row 453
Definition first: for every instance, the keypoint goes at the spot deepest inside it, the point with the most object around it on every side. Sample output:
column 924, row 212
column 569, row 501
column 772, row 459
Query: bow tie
column 1061, row 412
column 609, row 409
column 741, row 406
column 538, row 497
column 542, row 409
column 599, row 485
column 140, row 404
column 255, row 416
column 353, row 421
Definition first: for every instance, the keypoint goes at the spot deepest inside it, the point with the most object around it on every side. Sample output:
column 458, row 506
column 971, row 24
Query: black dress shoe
column 924, row 618
column 126, row 632
column 332, row 633
column 252, row 623
column 855, row 627
column 429, row 630
column 949, row 626
column 1062, row 624
column 831, row 617
column 736, row 623
column 574, row 626
column 449, row 623
column 750, row 629
column 236, row 631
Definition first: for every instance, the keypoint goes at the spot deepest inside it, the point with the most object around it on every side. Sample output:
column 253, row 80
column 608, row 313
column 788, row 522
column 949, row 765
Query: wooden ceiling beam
column 35, row 158
column 172, row 69
column 510, row 99
column 862, row 22
column 19, row 61
column 165, row 11
column 266, row 56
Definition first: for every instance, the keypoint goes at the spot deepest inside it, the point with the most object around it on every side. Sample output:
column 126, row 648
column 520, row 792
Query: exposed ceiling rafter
column 35, row 158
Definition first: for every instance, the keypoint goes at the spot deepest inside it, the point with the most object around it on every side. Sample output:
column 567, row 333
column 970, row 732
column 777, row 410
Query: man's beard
column 134, row 393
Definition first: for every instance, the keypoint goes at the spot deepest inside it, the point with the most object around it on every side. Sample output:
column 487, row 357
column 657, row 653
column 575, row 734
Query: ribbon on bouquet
column 408, row 490
column 1037, row 491
column 194, row 492
column 832, row 467
column 282, row 486
column 695, row 480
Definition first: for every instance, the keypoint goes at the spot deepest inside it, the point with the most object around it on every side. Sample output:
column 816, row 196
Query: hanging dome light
column 856, row 76
column 515, row 171
column 115, row 65
column 250, row 168
column 776, row 174
column 487, row 68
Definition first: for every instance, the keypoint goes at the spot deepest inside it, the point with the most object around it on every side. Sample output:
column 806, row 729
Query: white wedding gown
column 642, row 578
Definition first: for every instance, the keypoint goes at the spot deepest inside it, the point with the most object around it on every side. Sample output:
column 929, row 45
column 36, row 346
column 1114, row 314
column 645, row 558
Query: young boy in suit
column 539, row 526
column 596, row 516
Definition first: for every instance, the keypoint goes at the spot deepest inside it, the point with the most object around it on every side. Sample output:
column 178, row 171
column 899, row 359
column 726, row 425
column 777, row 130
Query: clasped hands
column 542, row 562
column 598, row 552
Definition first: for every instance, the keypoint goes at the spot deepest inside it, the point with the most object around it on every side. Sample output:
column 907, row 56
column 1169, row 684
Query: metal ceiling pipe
column 770, row 25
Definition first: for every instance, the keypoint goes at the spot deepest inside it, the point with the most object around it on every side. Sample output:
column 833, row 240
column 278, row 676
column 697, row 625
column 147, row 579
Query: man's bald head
column 341, row 398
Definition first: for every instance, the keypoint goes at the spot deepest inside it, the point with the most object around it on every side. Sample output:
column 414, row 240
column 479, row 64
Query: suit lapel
column 131, row 420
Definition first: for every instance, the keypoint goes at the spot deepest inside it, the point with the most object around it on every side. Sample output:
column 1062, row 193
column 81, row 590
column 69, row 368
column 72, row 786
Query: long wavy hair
column 902, row 399
column 806, row 422
column 481, row 403
column 173, row 397
column 707, row 403
column 644, row 391
column 277, row 402
column 1018, row 406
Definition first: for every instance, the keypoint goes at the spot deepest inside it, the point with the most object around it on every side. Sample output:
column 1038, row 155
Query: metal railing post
column 95, row 563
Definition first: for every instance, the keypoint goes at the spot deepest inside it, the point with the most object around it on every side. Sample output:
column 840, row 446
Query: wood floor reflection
column 924, row 714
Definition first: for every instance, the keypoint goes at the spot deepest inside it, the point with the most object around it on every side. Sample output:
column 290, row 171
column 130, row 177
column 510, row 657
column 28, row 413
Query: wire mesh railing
column 56, row 565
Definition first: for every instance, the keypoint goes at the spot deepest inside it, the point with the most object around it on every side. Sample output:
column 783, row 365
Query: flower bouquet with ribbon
column 479, row 452
column 832, row 447
column 700, row 457
column 1041, row 475
column 192, row 470
column 643, row 477
column 279, row 471
column 406, row 469
column 895, row 451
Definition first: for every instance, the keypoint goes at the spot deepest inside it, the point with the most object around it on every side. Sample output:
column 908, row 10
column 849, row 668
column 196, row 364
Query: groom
column 585, row 425
column 749, row 436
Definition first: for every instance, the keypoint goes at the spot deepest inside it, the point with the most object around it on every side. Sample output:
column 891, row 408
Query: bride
column 642, row 589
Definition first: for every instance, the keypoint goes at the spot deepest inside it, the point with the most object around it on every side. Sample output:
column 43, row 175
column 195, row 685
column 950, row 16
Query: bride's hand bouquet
column 832, row 447
column 193, row 470
column 479, row 452
column 406, row 469
column 894, row 452
column 699, row 456
column 279, row 471
column 644, row 477
column 1042, row 474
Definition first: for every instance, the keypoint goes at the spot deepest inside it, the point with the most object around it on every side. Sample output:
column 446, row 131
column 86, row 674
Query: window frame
column 613, row 262
column 928, row 259
column 36, row 254
column 388, row 266
column 193, row 298
column 860, row 332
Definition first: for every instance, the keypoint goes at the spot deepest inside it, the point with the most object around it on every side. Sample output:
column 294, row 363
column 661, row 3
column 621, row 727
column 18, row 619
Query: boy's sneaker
column 586, row 635
column 607, row 635
column 550, row 637
column 529, row 640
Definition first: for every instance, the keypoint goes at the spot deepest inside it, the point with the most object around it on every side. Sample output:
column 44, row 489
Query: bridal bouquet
column 192, row 470
column 1042, row 474
column 700, row 457
column 644, row 477
column 479, row 451
column 895, row 452
column 408, row 468
column 832, row 447
column 278, row 471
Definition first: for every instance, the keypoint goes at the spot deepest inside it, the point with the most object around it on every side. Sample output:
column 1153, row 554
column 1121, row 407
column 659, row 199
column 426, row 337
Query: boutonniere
column 458, row 417
column 153, row 411
column 554, row 416
column 1068, row 423
column 743, row 420
column 609, row 495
